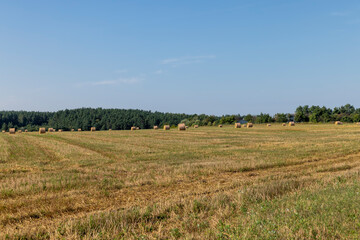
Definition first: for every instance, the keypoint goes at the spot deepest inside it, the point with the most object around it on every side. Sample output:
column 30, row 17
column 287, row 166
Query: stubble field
column 207, row 183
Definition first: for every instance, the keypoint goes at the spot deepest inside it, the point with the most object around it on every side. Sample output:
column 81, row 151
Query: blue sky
column 214, row 57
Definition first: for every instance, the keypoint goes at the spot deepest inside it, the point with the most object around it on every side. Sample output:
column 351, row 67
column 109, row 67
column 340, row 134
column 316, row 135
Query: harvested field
column 207, row 183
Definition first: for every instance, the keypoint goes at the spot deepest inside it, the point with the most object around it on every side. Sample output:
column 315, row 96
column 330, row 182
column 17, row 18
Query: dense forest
column 121, row 119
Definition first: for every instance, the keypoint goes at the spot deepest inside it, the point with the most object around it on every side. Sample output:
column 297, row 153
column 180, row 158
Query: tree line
column 122, row 119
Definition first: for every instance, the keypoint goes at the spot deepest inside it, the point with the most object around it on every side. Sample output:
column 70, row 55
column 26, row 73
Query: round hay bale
column 26, row 130
column 338, row 123
column 133, row 128
column 12, row 131
column 60, row 130
column 19, row 131
column 79, row 129
column 3, row 131
column 42, row 130
column 72, row 130
column 291, row 124
column 196, row 126
column 284, row 124
column 156, row 127
column 220, row 126
column 181, row 127
column 237, row 125
column 50, row 129
column 93, row 129
column 166, row 127
column 249, row 125
column 110, row 129
column 137, row 128
column 269, row 125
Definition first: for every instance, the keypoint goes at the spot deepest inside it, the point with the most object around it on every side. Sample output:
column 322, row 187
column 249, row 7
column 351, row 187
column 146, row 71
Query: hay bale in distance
column 196, row 126
column 133, row 128
column 291, row 124
column 237, row 125
column 12, row 131
column 269, row 125
column 26, row 130
column 338, row 123
column 181, row 127
column 249, row 125
column 220, row 126
column 166, row 127
column 50, row 130
column 73, row 130
column 284, row 124
column 3, row 131
column 137, row 128
column 19, row 131
column 79, row 129
column 60, row 130
column 93, row 129
column 110, row 129
column 156, row 127
column 42, row 130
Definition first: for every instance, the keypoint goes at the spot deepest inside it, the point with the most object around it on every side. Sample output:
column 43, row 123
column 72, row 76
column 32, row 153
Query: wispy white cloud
column 121, row 71
column 104, row 83
column 354, row 21
column 118, row 81
column 187, row 60
column 159, row 72
column 132, row 80
column 339, row 14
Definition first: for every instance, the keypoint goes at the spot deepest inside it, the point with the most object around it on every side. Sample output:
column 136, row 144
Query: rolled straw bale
column 220, row 126
column 72, row 130
column 79, row 129
column 19, row 131
column 60, row 130
column 196, row 126
column 50, row 129
column 237, row 125
column 26, row 130
column 156, row 127
column 42, row 130
column 166, row 127
column 93, row 129
column 110, row 129
column 3, row 131
column 338, row 123
column 284, row 124
column 133, row 128
column 269, row 125
column 245, row 125
column 291, row 124
column 181, row 127
column 12, row 130
column 137, row 128
column 249, row 125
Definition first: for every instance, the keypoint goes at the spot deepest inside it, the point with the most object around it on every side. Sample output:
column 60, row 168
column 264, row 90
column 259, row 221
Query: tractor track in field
column 185, row 189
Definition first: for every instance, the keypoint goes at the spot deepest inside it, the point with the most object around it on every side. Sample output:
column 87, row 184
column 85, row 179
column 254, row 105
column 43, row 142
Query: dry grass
column 208, row 183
